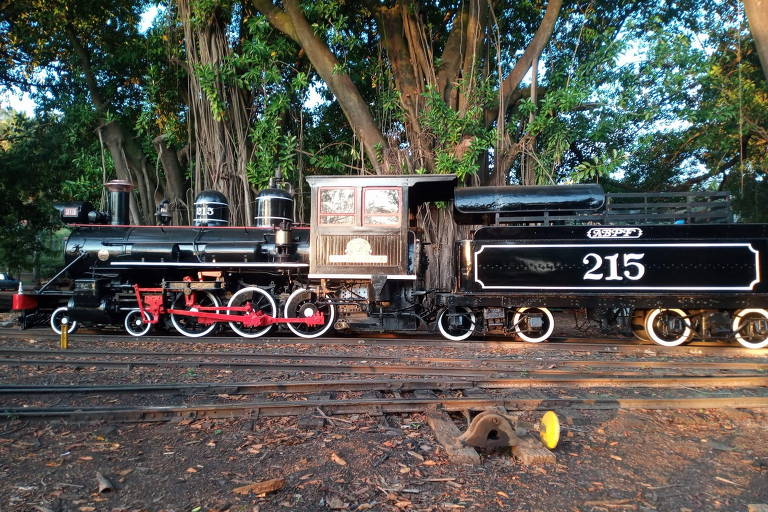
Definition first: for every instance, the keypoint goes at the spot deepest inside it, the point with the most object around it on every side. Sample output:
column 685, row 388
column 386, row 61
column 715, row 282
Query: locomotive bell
column 119, row 201
column 211, row 209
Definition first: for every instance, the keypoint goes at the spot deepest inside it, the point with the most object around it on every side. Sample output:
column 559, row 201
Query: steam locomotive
column 360, row 265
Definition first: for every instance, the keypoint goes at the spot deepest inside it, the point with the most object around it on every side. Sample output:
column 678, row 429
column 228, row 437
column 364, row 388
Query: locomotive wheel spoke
column 750, row 328
column 305, row 303
column 137, row 324
column 59, row 315
column 526, row 324
column 668, row 327
column 458, row 325
column 189, row 325
column 260, row 300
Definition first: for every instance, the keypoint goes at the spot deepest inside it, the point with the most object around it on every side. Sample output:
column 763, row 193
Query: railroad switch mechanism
column 493, row 429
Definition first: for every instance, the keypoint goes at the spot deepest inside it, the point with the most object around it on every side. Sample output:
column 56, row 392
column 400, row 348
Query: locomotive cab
column 363, row 246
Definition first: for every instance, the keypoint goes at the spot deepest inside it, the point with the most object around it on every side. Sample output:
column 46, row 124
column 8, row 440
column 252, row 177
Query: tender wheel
column 533, row 325
column 188, row 325
column 305, row 303
column 638, row 324
column 750, row 328
column 137, row 324
column 59, row 315
column 668, row 327
column 260, row 301
column 457, row 326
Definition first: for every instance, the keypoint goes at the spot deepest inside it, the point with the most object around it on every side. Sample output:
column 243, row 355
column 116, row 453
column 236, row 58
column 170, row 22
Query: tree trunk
column 130, row 165
column 127, row 156
column 352, row 103
column 410, row 79
column 441, row 233
column 293, row 23
column 174, row 178
column 221, row 145
column 757, row 14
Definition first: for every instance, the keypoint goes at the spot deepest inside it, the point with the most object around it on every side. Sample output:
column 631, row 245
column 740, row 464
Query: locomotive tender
column 361, row 264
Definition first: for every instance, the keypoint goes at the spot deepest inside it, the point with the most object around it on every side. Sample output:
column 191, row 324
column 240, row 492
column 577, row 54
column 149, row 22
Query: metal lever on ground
column 492, row 430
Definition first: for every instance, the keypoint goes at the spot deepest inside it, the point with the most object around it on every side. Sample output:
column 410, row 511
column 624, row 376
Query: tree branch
column 276, row 17
column 355, row 108
column 85, row 63
column 450, row 60
column 532, row 52
column 757, row 14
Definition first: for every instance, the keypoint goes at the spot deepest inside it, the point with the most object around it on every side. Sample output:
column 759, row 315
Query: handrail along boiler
column 361, row 263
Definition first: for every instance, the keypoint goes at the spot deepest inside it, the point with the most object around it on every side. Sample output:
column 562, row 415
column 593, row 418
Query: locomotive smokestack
column 119, row 201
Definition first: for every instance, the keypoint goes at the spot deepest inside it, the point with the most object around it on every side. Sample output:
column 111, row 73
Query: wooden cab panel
column 360, row 224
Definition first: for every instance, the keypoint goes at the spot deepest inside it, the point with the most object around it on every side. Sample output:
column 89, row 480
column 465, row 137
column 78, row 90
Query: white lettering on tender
column 630, row 267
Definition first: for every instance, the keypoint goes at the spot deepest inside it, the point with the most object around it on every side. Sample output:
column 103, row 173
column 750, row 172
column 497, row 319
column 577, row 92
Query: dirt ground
column 635, row 460
column 681, row 461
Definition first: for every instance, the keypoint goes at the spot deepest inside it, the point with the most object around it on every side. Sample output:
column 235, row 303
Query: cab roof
column 423, row 187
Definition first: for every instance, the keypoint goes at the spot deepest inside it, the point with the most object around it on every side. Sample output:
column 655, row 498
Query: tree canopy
column 641, row 95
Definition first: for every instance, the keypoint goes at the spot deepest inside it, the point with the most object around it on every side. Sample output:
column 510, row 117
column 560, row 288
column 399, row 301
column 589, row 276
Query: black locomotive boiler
column 360, row 265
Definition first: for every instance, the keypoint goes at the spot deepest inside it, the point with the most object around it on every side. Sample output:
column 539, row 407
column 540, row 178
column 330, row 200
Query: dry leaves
column 335, row 503
column 338, row 460
column 261, row 487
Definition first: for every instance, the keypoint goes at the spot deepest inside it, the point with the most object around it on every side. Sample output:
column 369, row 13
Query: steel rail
column 608, row 345
column 719, row 364
column 317, row 367
column 256, row 409
column 568, row 381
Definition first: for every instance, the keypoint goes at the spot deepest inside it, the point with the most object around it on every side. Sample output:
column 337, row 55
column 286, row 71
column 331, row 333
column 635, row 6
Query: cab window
column 381, row 206
column 337, row 206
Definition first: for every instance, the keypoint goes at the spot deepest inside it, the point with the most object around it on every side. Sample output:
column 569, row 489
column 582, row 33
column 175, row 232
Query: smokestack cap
column 119, row 186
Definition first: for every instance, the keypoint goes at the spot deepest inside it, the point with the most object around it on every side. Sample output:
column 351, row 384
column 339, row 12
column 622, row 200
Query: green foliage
column 697, row 103
column 599, row 166
column 30, row 173
column 450, row 128
column 208, row 78
column 688, row 110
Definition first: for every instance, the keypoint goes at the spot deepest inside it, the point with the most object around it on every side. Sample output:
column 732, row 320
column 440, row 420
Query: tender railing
column 641, row 208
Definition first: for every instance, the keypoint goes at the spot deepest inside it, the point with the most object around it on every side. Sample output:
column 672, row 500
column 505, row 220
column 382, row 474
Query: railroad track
column 337, row 357
column 442, row 379
column 349, row 385
column 331, row 366
column 721, row 364
column 593, row 345
column 377, row 406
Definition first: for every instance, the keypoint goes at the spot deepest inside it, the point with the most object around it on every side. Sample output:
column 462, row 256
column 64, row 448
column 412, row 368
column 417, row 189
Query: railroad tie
column 447, row 435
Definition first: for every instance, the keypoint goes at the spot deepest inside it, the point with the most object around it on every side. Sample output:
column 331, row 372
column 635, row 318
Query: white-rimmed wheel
column 260, row 300
column 189, row 325
column 534, row 324
column 58, row 316
column 304, row 303
column 668, row 327
column 456, row 325
column 750, row 328
column 137, row 324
